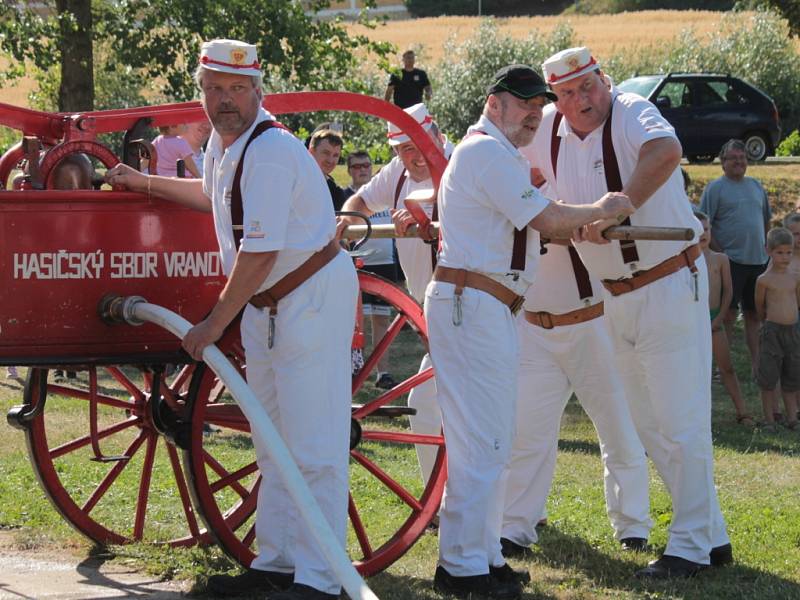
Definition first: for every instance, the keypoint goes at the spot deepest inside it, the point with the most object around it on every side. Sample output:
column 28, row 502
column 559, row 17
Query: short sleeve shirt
column 555, row 288
column 738, row 212
column 413, row 253
column 408, row 88
column 287, row 207
column 581, row 180
column 484, row 195
column 168, row 150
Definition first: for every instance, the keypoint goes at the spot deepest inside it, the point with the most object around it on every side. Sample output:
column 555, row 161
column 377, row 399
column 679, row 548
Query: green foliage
column 755, row 47
column 788, row 9
column 462, row 77
column 790, row 146
column 163, row 37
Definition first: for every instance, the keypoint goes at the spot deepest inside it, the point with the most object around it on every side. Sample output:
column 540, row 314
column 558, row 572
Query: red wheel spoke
column 183, row 377
column 227, row 415
column 123, row 380
column 70, row 392
column 379, row 350
column 358, row 527
column 384, row 478
column 248, row 539
column 180, row 481
column 400, row 437
column 237, row 475
column 394, row 393
column 83, row 441
column 144, row 487
column 245, row 509
column 112, row 475
column 223, row 473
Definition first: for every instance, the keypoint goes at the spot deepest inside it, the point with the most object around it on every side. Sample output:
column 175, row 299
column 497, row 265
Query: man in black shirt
column 326, row 148
column 408, row 87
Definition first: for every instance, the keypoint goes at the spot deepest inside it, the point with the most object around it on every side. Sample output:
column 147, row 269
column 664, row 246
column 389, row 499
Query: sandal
column 746, row 420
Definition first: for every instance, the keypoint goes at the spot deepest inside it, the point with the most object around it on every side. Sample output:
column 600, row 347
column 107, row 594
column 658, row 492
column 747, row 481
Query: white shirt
column 413, row 253
column 484, row 195
column 581, row 180
column 286, row 203
column 555, row 289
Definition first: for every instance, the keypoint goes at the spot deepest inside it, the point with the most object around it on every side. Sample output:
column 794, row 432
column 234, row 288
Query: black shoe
column 634, row 544
column 511, row 549
column 670, row 566
column 721, row 555
column 507, row 574
column 385, row 381
column 251, row 581
column 299, row 591
column 484, row 586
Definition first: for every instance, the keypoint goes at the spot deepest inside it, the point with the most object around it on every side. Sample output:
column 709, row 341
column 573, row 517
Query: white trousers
column 304, row 383
column 427, row 421
column 476, row 382
column 662, row 340
column 553, row 363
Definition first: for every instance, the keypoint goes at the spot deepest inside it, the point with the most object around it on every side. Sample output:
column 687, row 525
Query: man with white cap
column 490, row 218
column 406, row 174
column 564, row 346
column 276, row 228
column 595, row 139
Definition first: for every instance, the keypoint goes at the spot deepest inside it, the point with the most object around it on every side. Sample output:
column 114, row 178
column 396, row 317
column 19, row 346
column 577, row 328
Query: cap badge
column 238, row 56
column 573, row 62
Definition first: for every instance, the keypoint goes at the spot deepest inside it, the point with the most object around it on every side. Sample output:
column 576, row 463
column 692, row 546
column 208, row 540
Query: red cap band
column 555, row 78
column 205, row 60
column 425, row 121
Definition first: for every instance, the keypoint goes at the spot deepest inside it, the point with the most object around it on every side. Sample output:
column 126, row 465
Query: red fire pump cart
column 139, row 414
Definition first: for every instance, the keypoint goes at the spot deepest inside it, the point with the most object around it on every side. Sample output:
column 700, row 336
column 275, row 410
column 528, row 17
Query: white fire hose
column 135, row 310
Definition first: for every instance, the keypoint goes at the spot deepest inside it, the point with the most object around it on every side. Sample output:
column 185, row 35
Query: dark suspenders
column 237, row 208
column 434, row 216
column 610, row 168
column 518, row 251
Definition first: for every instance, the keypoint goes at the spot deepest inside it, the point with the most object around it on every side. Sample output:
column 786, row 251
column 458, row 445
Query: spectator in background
column 197, row 135
column 407, row 88
column 720, row 292
column 792, row 223
column 325, row 146
column 171, row 147
column 739, row 213
column 777, row 301
column 381, row 260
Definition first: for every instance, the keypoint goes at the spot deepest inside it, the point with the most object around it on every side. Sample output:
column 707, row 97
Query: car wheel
column 700, row 158
column 756, row 146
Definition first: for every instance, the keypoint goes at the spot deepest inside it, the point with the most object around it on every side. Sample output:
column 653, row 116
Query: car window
column 733, row 93
column 639, row 85
column 677, row 92
column 710, row 93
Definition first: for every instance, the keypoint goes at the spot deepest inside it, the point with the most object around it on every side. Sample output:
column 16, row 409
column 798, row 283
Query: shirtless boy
column 777, row 301
column 792, row 223
column 720, row 292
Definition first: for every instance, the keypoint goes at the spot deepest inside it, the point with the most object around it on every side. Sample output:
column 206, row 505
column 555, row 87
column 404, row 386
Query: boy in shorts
column 777, row 301
column 720, row 292
column 792, row 223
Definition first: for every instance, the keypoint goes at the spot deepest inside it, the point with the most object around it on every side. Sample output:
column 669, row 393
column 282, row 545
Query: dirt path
column 50, row 575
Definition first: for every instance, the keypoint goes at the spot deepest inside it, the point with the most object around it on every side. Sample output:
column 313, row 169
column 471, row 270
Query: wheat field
column 604, row 34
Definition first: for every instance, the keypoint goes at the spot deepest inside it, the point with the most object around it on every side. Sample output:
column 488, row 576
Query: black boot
column 483, row 586
column 250, row 582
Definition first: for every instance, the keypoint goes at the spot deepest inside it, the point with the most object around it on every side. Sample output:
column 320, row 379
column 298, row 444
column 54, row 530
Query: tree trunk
column 76, row 92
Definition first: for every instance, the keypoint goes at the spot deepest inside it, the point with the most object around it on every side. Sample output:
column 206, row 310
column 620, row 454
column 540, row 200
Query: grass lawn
column 758, row 477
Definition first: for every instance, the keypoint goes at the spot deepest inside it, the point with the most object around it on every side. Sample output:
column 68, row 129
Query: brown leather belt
column 641, row 278
column 462, row 278
column 290, row 282
column 548, row 320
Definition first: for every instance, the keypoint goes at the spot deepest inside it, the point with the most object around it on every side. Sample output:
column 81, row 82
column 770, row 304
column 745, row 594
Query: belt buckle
column 546, row 320
column 516, row 304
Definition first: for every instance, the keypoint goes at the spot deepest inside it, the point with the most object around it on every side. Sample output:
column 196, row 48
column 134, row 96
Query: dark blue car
column 707, row 110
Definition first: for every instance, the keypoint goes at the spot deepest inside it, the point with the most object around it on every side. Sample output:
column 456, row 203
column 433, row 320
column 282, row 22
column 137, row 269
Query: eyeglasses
column 360, row 166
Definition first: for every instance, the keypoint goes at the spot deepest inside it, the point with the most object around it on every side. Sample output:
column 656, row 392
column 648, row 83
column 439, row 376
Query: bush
column 598, row 7
column 790, row 146
column 755, row 47
column 461, row 79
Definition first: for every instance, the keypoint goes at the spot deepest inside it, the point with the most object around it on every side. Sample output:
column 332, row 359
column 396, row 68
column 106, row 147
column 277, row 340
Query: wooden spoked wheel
column 89, row 476
column 389, row 506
